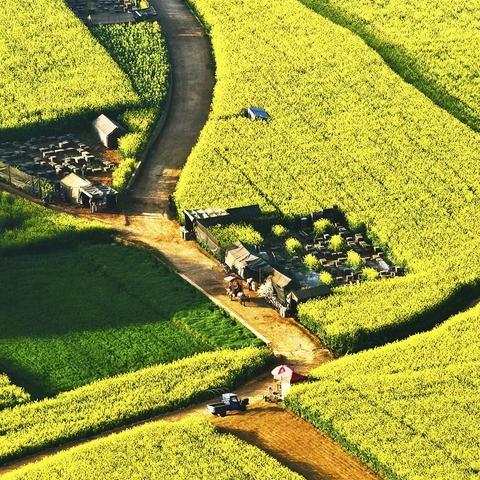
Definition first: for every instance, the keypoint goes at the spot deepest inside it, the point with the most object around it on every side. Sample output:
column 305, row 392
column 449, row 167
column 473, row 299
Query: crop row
column 409, row 409
column 344, row 130
column 10, row 394
column 132, row 312
column 63, row 76
column 432, row 45
column 189, row 449
column 120, row 400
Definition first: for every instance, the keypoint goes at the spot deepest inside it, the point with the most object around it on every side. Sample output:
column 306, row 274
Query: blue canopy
column 260, row 113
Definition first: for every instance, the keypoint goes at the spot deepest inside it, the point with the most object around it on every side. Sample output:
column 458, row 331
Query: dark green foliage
column 75, row 316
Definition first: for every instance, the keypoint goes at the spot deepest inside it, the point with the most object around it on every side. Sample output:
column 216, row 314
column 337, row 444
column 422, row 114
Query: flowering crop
column 52, row 69
column 10, row 394
column 410, row 409
column 344, row 130
column 119, row 400
column 189, row 449
column 432, row 44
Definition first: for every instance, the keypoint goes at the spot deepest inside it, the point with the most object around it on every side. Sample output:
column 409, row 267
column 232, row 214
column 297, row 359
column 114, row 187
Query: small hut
column 246, row 263
column 108, row 131
column 71, row 186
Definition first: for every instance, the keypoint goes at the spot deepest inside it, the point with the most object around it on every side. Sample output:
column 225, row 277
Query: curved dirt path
column 193, row 78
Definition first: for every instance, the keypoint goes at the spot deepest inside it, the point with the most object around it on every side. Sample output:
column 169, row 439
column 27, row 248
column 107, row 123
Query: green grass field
column 345, row 130
column 59, row 76
column 123, row 399
column 409, row 409
column 75, row 307
column 74, row 316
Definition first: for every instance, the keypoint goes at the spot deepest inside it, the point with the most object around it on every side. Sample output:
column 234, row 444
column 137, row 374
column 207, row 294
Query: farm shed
column 70, row 186
column 291, row 291
column 246, row 263
column 103, row 196
column 108, row 131
column 255, row 113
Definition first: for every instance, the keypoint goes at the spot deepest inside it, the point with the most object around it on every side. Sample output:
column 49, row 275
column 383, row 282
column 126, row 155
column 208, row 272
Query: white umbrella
column 283, row 373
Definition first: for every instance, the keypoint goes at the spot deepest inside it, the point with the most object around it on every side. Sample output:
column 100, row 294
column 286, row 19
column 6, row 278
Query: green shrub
column 121, row 175
column 242, row 232
column 326, row 278
column 354, row 260
column 130, row 145
column 311, row 261
column 369, row 274
column 279, row 230
column 336, row 244
column 10, row 394
column 293, row 246
column 322, row 225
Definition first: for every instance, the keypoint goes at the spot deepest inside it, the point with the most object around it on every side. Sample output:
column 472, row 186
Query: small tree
column 322, row 225
column 279, row 230
column 311, row 261
column 336, row 243
column 369, row 274
column 326, row 278
column 46, row 189
column 354, row 260
column 292, row 246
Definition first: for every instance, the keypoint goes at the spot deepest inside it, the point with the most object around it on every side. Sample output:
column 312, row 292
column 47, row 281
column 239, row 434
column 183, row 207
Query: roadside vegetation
column 344, row 130
column 75, row 310
column 28, row 228
column 141, row 52
column 63, row 76
column 120, row 400
column 410, row 409
column 191, row 448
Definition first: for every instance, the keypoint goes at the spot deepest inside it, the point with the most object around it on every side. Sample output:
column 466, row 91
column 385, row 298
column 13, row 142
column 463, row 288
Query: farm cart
column 230, row 401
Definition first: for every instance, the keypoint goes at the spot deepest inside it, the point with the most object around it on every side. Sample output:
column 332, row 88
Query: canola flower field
column 432, row 44
column 140, row 50
column 10, row 394
column 191, row 448
column 409, row 409
column 345, row 130
column 119, row 400
column 65, row 76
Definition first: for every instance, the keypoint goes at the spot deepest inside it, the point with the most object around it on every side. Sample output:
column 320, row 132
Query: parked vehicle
column 230, row 401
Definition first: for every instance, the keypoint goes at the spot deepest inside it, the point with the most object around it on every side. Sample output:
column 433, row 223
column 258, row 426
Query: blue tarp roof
column 258, row 112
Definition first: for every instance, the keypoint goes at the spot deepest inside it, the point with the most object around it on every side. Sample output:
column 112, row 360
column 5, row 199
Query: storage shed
column 71, row 186
column 108, row 131
column 256, row 113
column 247, row 264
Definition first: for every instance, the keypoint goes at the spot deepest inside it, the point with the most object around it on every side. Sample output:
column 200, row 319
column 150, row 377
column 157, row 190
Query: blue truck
column 230, row 402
